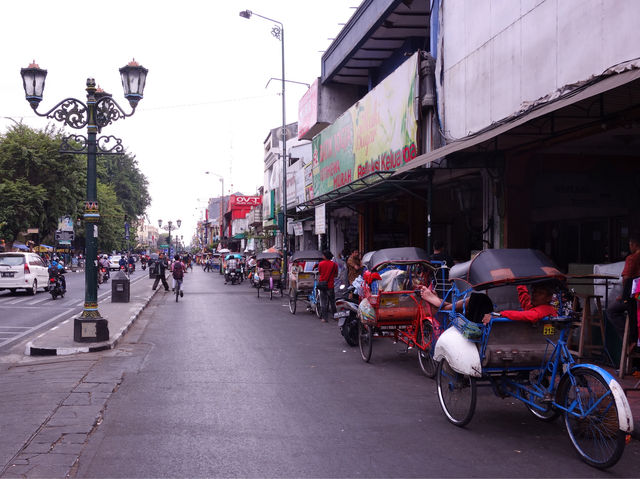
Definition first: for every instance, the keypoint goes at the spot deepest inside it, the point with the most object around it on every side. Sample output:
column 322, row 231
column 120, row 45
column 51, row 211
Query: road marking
column 35, row 328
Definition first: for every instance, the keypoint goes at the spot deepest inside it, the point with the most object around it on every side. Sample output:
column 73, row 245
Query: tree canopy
column 39, row 185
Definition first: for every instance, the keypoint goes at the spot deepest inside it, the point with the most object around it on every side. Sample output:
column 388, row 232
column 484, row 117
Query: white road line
column 30, row 330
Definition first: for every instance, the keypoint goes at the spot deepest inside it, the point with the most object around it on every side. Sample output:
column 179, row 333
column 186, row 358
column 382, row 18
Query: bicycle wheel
column 425, row 357
column 259, row 287
column 293, row 301
column 592, row 417
column 318, row 308
column 456, row 393
column 271, row 293
column 365, row 340
column 177, row 288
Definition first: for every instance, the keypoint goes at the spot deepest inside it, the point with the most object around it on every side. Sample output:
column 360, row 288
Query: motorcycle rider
column 132, row 263
column 56, row 270
column 104, row 265
column 123, row 263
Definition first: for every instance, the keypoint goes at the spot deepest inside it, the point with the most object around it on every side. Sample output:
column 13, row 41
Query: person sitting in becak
column 534, row 307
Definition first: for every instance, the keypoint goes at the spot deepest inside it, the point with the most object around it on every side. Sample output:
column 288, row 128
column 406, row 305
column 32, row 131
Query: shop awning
column 240, row 236
column 370, row 187
column 586, row 91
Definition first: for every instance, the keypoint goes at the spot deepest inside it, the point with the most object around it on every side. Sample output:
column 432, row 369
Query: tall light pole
column 168, row 228
column 278, row 32
column 221, row 219
column 99, row 111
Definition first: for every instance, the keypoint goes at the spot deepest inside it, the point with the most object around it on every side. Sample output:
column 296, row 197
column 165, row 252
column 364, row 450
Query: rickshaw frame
column 537, row 368
column 303, row 285
column 414, row 324
column 272, row 277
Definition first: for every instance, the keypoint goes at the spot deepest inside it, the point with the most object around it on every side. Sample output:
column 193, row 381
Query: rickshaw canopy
column 268, row 255
column 398, row 255
column 366, row 259
column 499, row 267
column 310, row 255
column 233, row 255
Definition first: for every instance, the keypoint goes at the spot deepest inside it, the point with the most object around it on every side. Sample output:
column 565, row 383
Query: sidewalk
column 58, row 340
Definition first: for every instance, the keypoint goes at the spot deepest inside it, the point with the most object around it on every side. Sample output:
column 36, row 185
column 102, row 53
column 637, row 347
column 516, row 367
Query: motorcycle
column 103, row 275
column 131, row 268
column 347, row 314
column 55, row 286
column 144, row 265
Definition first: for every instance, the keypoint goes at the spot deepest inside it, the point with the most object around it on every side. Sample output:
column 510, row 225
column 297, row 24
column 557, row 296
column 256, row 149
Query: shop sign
column 245, row 201
column 298, row 230
column 378, row 133
column 321, row 221
column 65, row 223
column 308, row 110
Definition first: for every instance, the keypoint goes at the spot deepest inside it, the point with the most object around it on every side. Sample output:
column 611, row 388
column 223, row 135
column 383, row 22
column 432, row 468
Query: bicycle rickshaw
column 233, row 268
column 392, row 306
column 527, row 361
column 303, row 280
column 268, row 275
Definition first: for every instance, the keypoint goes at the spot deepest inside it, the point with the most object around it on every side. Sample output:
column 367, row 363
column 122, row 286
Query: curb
column 102, row 346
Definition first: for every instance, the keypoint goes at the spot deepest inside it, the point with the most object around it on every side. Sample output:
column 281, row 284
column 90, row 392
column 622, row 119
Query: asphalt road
column 22, row 315
column 223, row 384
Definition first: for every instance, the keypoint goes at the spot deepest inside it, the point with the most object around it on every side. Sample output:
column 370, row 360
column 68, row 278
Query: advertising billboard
column 378, row 133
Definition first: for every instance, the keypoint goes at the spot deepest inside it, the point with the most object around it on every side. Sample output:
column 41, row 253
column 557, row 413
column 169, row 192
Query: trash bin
column 120, row 288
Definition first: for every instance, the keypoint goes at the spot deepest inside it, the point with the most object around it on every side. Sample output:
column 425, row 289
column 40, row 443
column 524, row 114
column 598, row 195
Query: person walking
column 354, row 266
column 327, row 272
column 161, row 267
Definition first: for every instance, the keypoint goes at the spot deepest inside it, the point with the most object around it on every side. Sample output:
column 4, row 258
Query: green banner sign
column 378, row 133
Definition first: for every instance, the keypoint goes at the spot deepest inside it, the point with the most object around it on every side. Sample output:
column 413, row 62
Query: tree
column 129, row 184
column 38, row 184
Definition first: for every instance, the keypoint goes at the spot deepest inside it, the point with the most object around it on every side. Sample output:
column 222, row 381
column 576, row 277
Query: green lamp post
column 99, row 111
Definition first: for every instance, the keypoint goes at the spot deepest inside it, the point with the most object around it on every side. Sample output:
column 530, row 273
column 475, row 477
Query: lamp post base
column 94, row 330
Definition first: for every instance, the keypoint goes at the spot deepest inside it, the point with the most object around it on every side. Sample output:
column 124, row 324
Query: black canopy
column 497, row 267
column 268, row 255
column 310, row 255
column 398, row 255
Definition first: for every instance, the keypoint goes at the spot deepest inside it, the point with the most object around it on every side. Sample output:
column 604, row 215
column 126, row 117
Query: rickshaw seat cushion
column 518, row 344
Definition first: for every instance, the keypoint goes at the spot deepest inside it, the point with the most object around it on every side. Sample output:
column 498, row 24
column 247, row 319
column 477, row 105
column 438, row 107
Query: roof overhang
column 520, row 131
column 367, row 188
column 376, row 30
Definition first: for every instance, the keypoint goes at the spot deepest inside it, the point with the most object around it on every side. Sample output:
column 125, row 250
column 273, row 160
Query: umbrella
column 224, row 250
column 20, row 246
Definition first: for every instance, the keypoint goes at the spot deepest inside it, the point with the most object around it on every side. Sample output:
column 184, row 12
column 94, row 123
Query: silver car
column 23, row 271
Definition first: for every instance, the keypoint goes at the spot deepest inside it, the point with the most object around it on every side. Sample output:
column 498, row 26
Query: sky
column 206, row 106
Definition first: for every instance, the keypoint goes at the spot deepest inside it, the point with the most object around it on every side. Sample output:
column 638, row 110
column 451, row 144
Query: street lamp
column 278, row 32
column 99, row 111
column 168, row 228
column 221, row 203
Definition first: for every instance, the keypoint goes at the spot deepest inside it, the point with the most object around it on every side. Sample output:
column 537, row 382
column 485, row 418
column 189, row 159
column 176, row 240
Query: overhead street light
column 278, row 32
column 99, row 111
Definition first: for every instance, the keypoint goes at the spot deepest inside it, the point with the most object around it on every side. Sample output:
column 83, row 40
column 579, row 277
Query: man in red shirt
column 327, row 272
column 616, row 310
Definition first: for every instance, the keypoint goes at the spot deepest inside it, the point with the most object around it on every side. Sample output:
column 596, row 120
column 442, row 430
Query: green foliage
column 129, row 184
column 38, row 183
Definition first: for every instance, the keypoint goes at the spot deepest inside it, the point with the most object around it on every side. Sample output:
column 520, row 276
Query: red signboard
column 244, row 201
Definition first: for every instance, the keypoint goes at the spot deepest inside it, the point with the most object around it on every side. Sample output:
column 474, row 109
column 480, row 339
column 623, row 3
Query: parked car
column 23, row 271
column 114, row 262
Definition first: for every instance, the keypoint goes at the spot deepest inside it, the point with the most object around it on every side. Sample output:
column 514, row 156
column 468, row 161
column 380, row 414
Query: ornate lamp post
column 99, row 111
column 168, row 228
column 278, row 32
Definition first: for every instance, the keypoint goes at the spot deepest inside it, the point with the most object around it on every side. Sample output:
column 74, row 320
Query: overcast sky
column 205, row 106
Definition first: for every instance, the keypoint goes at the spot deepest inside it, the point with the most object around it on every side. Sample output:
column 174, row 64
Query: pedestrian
column 327, row 272
column 161, row 267
column 626, row 302
column 439, row 254
column 354, row 266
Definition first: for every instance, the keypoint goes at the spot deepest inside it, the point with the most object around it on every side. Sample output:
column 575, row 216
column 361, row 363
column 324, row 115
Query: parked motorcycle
column 347, row 314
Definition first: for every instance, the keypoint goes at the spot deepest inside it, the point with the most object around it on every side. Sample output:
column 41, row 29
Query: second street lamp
column 99, row 111
column 278, row 32
column 168, row 228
